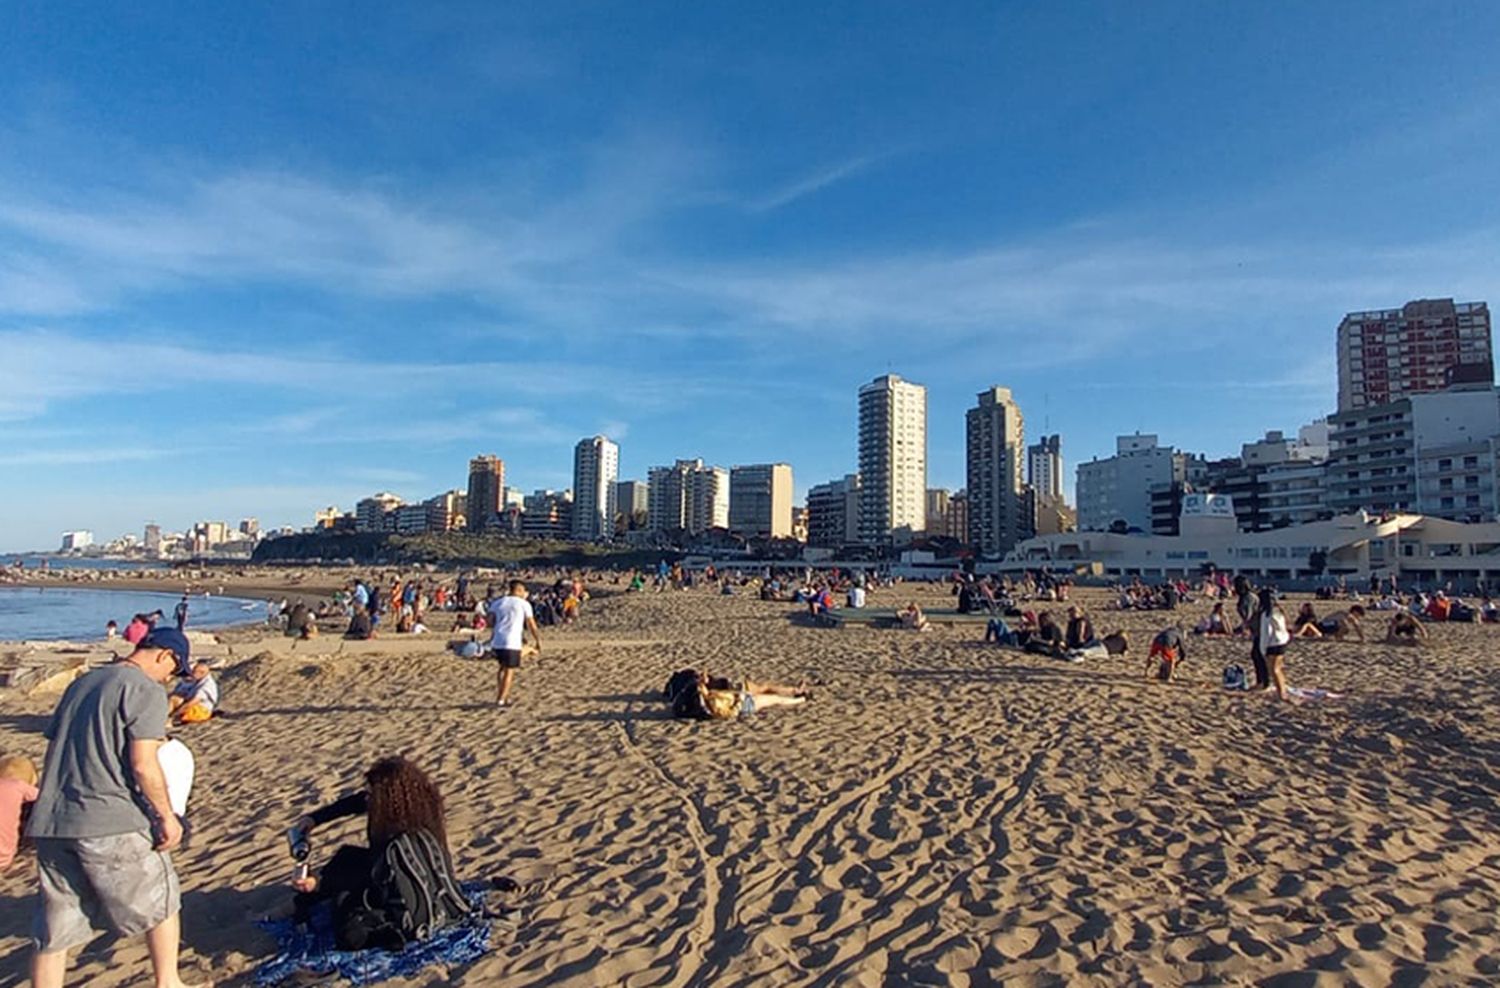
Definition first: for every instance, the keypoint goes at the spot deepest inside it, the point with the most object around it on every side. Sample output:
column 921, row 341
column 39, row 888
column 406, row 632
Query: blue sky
column 255, row 259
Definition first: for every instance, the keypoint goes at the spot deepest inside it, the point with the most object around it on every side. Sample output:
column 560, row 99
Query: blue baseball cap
column 173, row 641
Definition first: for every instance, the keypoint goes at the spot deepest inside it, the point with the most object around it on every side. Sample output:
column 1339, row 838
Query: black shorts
column 510, row 658
column 1275, row 650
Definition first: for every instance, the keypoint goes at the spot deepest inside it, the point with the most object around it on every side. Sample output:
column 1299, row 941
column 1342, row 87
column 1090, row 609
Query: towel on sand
column 311, row 950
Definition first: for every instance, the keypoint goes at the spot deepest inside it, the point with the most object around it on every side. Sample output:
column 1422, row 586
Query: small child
column 1169, row 649
column 18, row 780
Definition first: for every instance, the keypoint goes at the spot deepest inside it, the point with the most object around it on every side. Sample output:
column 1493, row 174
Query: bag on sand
column 413, row 892
column 1234, row 678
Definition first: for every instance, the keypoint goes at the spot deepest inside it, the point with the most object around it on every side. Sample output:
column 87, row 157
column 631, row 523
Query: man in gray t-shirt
column 102, row 822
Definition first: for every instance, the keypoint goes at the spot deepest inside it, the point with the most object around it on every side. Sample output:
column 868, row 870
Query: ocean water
column 35, row 561
column 80, row 614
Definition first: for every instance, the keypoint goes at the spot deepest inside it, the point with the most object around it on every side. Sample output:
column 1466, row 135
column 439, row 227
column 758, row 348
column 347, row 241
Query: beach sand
column 943, row 812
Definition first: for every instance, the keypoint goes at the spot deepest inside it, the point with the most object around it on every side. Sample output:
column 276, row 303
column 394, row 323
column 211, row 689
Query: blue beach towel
column 311, row 950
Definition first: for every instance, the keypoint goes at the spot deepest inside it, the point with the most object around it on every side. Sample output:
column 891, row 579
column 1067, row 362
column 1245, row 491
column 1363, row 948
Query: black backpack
column 413, row 892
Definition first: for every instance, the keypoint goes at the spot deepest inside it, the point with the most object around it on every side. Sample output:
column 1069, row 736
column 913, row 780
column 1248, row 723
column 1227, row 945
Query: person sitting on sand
column 194, row 699
column 1167, row 650
column 18, row 791
column 1048, row 638
column 1405, row 630
column 301, row 623
column 400, row 803
column 1216, row 625
column 1344, row 624
column 1080, row 638
column 361, row 627
column 912, row 618
column 1305, row 625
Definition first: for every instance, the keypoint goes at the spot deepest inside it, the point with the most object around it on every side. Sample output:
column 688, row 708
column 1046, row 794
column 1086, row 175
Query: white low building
column 1415, row 548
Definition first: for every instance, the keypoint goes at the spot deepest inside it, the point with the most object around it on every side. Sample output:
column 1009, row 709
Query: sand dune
column 943, row 813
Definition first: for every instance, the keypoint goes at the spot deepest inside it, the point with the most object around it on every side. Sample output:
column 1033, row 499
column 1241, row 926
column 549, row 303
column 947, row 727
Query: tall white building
column 760, row 501
column 892, row 458
column 996, row 441
column 687, row 496
column 80, row 539
column 596, row 468
column 1119, row 488
column 1044, row 468
column 632, row 501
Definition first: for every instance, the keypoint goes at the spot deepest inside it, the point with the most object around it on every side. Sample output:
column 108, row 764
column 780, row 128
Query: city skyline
column 240, row 280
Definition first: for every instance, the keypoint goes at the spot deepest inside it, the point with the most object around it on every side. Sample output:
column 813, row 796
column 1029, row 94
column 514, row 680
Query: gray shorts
column 92, row 885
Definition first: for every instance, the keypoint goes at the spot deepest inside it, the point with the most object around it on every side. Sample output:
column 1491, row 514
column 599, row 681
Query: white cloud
column 815, row 182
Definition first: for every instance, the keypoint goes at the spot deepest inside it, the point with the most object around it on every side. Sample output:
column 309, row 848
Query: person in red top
column 136, row 629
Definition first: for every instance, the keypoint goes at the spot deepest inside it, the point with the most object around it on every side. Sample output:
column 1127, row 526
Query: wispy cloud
column 808, row 184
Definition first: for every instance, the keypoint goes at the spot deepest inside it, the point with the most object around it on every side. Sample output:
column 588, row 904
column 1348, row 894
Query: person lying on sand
column 404, row 823
column 1405, row 630
column 1167, row 650
column 695, row 695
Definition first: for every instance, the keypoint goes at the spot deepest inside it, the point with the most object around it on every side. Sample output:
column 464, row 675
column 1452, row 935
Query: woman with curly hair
column 400, row 803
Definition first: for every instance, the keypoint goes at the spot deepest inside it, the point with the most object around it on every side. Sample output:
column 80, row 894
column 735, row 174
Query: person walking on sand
column 103, row 822
column 511, row 616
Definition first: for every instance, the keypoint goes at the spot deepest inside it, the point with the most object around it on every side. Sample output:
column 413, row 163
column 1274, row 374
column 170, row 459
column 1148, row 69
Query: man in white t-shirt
column 511, row 616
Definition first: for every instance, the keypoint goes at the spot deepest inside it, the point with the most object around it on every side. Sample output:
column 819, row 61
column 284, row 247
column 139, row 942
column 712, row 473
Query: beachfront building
column 892, row 459
column 77, row 540
column 1000, row 512
column 1432, row 454
column 596, row 469
column 760, row 501
column 547, row 514
column 937, row 510
column 371, row 514
column 833, row 513
column 446, row 511
column 486, row 488
column 151, row 539
column 1044, row 468
column 1424, row 346
column 1117, row 491
column 708, row 500
column 409, row 519
column 632, row 505
column 958, row 516
column 687, row 496
column 1415, row 548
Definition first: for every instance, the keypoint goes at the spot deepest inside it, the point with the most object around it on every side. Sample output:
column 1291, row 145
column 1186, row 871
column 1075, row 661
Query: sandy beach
column 943, row 812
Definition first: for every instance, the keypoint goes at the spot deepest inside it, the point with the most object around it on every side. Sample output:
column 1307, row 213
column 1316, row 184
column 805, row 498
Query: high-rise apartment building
column 152, row 539
column 546, row 514
column 632, row 504
column 995, row 447
column 1430, row 454
column 892, row 458
column 760, row 501
column 1044, row 468
column 486, row 488
column 596, row 468
column 1424, row 346
column 833, row 513
column 687, row 496
column 958, row 516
